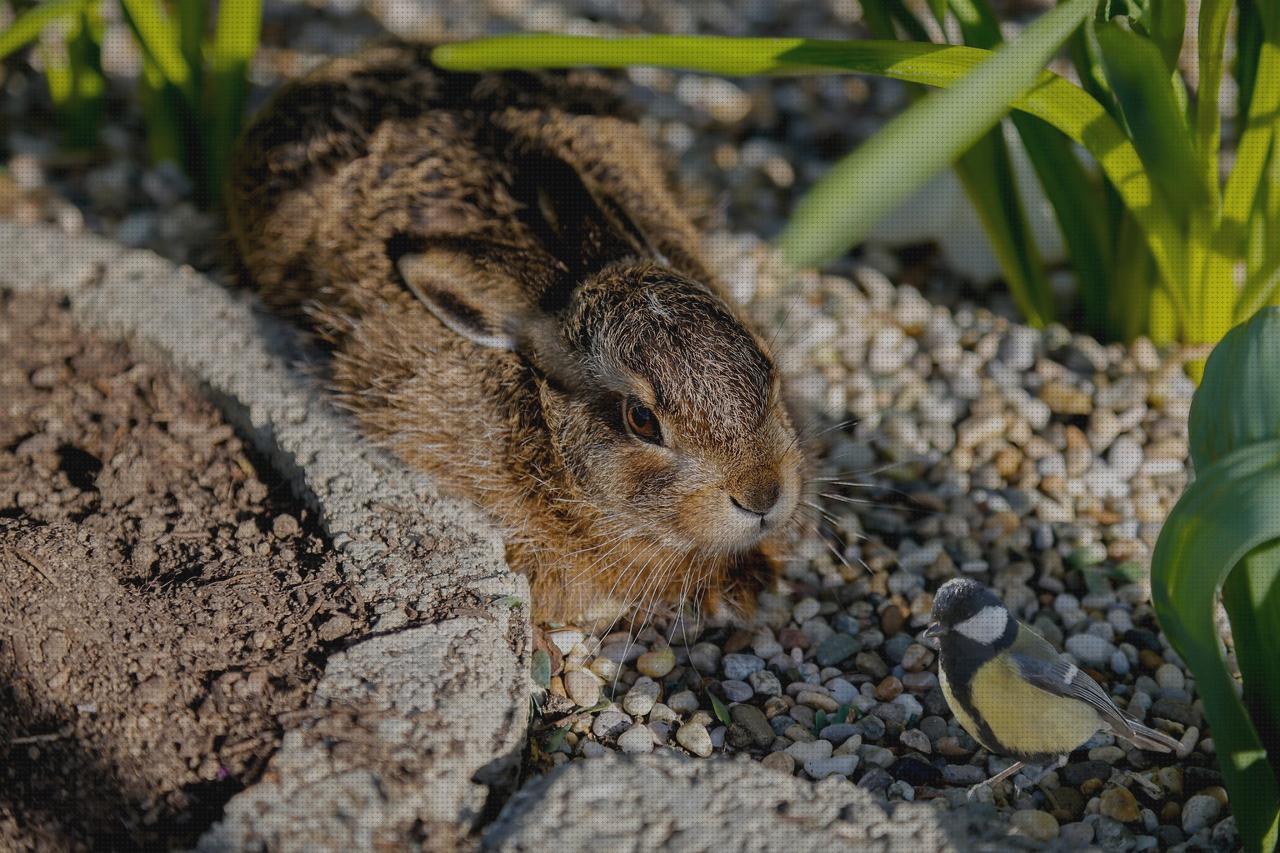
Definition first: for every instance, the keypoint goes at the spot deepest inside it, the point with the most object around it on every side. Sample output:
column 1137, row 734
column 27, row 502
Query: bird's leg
column 1044, row 771
column 998, row 778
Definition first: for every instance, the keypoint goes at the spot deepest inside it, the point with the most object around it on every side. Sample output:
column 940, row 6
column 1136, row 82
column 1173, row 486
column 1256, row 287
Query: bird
column 1013, row 692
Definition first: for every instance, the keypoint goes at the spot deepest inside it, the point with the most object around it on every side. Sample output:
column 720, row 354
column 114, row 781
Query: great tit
column 1012, row 691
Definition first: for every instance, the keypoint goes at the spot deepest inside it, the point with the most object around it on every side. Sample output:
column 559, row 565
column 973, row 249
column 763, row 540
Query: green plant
column 1224, row 536
column 1156, row 239
column 193, row 84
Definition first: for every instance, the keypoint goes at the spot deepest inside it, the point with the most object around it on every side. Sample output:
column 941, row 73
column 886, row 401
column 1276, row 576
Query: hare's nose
column 758, row 500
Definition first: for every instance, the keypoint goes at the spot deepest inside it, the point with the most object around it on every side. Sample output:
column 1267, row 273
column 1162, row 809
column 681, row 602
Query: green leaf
column 1251, row 596
column 1239, row 403
column 1077, row 203
column 541, row 668
column 721, row 712
column 1232, row 508
column 1141, row 84
column 27, row 27
column 1227, row 523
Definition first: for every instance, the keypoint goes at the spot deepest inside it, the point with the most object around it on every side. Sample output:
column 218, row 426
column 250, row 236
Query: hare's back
column 322, row 164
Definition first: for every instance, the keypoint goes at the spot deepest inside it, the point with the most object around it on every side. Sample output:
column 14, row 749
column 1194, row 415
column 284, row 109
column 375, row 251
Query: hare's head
column 662, row 406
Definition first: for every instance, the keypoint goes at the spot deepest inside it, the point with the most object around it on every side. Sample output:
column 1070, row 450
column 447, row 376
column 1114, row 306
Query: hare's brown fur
column 521, row 195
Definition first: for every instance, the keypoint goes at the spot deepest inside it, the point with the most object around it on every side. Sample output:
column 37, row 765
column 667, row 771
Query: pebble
column 642, row 697
column 1170, row 677
column 917, row 740
column 736, row 691
column 695, row 738
column 838, row 733
column 636, row 740
column 705, row 658
column 656, row 663
column 836, row 765
column 684, row 702
column 780, row 761
column 739, row 667
column 583, row 687
column 804, row 752
column 963, row 774
column 608, row 724
column 1199, row 812
column 1039, row 825
column 1090, row 649
column 1119, row 804
column 1076, row 835
column 752, row 719
column 765, row 683
column 836, row 648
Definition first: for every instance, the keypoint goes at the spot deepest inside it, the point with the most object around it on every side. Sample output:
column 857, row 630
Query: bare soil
column 165, row 606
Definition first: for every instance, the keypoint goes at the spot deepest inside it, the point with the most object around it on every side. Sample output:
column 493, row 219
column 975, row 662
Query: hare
column 516, row 305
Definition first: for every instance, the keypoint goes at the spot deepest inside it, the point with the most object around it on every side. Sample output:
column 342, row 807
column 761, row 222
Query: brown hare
column 516, row 305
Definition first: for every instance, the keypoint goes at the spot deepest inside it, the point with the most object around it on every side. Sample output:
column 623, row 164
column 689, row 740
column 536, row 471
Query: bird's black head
column 970, row 609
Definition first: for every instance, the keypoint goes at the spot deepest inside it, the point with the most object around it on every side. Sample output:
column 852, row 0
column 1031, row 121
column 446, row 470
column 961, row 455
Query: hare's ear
column 487, row 309
column 490, row 308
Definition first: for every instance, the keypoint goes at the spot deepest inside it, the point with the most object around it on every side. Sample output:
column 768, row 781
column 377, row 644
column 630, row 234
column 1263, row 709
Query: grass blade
column 1254, row 149
column 236, row 37
column 1260, row 289
column 27, row 27
column 161, row 43
column 1168, row 26
column 1214, row 15
column 1077, row 205
column 73, row 71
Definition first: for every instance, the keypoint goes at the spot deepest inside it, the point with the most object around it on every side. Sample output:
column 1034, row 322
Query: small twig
column 45, row 738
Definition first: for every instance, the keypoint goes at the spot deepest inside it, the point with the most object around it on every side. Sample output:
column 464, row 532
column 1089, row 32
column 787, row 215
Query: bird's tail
column 1145, row 737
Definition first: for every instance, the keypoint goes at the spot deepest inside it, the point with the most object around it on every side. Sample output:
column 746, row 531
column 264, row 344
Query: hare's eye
column 642, row 422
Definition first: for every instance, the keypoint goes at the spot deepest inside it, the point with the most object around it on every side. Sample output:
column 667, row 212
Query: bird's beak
column 935, row 630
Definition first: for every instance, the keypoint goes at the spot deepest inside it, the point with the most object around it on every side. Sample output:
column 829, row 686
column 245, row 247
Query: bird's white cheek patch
column 986, row 626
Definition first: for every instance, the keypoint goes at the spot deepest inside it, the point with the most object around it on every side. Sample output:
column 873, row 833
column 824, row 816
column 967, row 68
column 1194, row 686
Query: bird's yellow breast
column 1024, row 718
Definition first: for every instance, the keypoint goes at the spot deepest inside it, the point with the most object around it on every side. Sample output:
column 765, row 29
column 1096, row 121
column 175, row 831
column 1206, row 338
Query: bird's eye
column 642, row 422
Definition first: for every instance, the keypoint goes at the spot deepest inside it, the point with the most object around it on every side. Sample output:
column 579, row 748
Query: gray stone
column 765, row 683
column 1198, row 812
column 739, row 667
column 836, row 765
column 636, row 740
column 837, row 648
column 655, row 798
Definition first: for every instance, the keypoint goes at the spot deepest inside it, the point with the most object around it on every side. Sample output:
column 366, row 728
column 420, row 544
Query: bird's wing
column 1040, row 664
